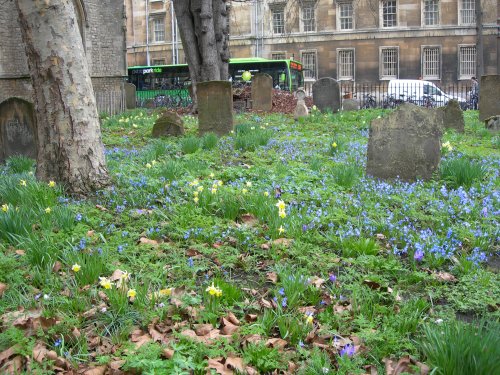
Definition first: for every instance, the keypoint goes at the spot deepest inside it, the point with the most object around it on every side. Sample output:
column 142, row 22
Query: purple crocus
column 347, row 350
column 333, row 278
column 419, row 255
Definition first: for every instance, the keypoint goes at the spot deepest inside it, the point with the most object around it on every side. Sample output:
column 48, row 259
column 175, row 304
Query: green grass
column 336, row 265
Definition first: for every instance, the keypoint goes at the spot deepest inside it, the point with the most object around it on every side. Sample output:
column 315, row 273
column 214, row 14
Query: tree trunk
column 70, row 148
column 204, row 30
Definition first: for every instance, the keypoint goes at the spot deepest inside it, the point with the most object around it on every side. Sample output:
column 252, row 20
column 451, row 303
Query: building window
column 431, row 12
column 466, row 62
column 431, row 63
column 345, row 64
column 467, row 11
column 158, row 62
column 308, row 18
column 278, row 55
column 309, row 64
column 345, row 19
column 279, row 21
column 389, row 62
column 159, row 29
column 389, row 13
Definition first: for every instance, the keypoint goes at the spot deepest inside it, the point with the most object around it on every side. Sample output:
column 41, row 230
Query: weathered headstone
column 215, row 107
column 326, row 94
column 130, row 102
column 301, row 108
column 453, row 117
column 18, row 133
column 493, row 124
column 405, row 144
column 489, row 97
column 169, row 123
column 350, row 104
column 262, row 92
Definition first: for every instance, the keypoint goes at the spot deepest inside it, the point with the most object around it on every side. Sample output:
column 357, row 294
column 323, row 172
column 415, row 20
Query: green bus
column 167, row 85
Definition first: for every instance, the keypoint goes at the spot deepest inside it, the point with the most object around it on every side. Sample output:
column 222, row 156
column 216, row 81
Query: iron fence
column 110, row 102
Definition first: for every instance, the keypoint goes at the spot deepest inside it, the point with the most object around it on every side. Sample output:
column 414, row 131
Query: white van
column 418, row 92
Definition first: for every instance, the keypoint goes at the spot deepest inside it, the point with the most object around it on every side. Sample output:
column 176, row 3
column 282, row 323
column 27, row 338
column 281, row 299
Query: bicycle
column 369, row 101
column 428, row 102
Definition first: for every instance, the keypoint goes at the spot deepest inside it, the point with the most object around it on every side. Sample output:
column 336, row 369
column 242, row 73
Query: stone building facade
column 102, row 26
column 363, row 41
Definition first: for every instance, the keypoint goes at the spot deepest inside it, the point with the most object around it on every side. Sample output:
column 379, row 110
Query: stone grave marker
column 493, row 124
column 405, row 144
column 489, row 97
column 262, row 92
column 453, row 117
column 169, row 123
column 326, row 94
column 130, row 102
column 350, row 104
column 301, row 108
column 18, row 132
column 215, row 107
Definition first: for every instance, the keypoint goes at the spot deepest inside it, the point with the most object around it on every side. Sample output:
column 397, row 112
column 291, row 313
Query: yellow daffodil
column 134, row 126
column 22, row 182
column 48, row 210
column 309, row 318
column 52, row 184
column 334, row 145
column 248, row 183
column 195, row 193
column 200, row 188
column 214, row 291
column 196, row 199
column 76, row 267
column 282, row 214
column 212, row 175
column 5, row 208
column 148, row 165
column 165, row 292
column 220, row 183
column 281, row 205
column 213, row 190
column 131, row 293
column 105, row 283
column 153, row 162
column 194, row 183
column 266, row 194
column 281, row 230
column 244, row 191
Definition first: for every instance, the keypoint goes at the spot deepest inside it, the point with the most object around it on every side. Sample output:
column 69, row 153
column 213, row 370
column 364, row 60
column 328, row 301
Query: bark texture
column 204, row 31
column 70, row 148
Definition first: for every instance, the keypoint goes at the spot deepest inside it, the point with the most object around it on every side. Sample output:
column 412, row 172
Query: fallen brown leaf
column 228, row 327
column 249, row 219
column 101, row 208
column 251, row 317
column 372, row 284
column 3, row 288
column 286, row 242
column 191, row 253
column 6, row 354
column 265, row 303
column 57, row 266
column 404, row 365
column 20, row 252
column 272, row 277
column 203, row 329
column 218, row 366
column 13, row 367
column 235, row 363
column 100, row 370
column 233, row 319
column 147, row 241
column 276, row 343
column 115, row 365
column 317, row 282
column 445, row 276
column 168, row 353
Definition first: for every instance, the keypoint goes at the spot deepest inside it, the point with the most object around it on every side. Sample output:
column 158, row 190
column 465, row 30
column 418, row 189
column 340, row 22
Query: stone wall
column 103, row 32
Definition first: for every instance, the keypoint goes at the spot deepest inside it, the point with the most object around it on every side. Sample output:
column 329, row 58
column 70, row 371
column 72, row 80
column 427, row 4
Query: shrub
column 461, row 172
column 459, row 348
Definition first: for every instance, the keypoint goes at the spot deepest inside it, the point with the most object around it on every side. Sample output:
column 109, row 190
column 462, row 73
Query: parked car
column 421, row 92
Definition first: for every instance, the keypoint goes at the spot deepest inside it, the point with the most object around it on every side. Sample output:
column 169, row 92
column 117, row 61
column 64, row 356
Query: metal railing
column 110, row 102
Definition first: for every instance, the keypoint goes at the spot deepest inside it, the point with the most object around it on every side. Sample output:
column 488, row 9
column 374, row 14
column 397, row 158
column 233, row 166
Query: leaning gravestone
column 350, row 104
column 489, row 97
column 326, row 94
column 405, row 144
column 262, row 92
column 130, row 102
column 453, row 117
column 18, row 134
column 493, row 124
column 215, row 107
column 301, row 108
column 168, row 124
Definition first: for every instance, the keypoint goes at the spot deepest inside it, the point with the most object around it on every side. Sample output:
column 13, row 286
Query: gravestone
column 169, row 123
column 130, row 102
column 493, row 124
column 18, row 134
column 301, row 108
column 453, row 117
column 326, row 94
column 405, row 144
column 262, row 92
column 350, row 104
column 215, row 107
column 489, row 97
